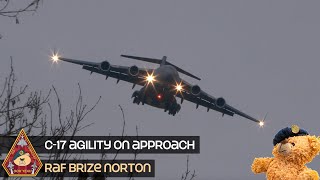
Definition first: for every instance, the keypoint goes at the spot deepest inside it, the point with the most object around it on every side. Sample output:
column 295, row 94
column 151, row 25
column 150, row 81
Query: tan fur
column 23, row 160
column 292, row 165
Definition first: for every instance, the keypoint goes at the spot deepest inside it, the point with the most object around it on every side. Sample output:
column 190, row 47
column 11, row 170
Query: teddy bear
column 293, row 149
column 21, row 158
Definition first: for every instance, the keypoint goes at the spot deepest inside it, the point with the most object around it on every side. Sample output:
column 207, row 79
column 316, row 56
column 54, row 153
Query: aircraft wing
column 114, row 71
column 210, row 102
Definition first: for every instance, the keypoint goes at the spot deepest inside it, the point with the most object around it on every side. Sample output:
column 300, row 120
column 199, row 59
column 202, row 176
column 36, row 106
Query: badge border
column 22, row 132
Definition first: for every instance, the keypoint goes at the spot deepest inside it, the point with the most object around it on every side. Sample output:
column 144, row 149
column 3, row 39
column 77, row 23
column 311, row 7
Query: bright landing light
column 179, row 87
column 261, row 123
column 150, row 78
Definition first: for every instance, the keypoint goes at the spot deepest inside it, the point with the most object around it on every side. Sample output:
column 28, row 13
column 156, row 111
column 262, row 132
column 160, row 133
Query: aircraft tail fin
column 162, row 61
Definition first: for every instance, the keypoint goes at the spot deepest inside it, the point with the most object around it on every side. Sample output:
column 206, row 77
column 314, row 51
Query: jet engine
column 195, row 90
column 220, row 102
column 133, row 70
column 104, row 66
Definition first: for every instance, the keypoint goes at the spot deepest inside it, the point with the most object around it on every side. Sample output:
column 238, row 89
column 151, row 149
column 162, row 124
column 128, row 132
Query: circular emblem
column 295, row 129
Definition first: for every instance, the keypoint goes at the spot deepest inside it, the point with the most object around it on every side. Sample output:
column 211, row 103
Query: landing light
column 179, row 87
column 150, row 78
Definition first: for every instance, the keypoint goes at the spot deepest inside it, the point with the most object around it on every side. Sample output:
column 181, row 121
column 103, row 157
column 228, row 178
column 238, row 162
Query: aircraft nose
column 166, row 75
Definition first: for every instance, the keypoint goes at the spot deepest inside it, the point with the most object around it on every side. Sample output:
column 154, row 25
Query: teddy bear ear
column 315, row 143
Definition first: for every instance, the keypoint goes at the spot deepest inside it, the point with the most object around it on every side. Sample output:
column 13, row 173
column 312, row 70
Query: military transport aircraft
column 160, row 86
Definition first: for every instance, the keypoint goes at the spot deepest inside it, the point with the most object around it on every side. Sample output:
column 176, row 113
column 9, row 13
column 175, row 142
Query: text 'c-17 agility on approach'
column 160, row 86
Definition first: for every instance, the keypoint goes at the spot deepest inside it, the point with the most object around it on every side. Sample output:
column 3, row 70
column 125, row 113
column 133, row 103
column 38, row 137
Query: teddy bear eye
column 293, row 144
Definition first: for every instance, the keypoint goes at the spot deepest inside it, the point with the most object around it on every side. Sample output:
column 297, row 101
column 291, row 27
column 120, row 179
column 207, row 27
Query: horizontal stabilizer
column 161, row 61
column 183, row 71
column 150, row 60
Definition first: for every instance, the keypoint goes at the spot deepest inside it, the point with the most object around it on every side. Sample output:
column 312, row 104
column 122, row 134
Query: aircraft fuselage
column 161, row 92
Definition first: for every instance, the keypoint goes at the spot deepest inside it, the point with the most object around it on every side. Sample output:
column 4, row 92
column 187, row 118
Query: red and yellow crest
column 22, row 160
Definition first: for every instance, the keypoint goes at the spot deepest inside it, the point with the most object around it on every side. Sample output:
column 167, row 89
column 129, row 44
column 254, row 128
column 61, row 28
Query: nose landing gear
column 172, row 108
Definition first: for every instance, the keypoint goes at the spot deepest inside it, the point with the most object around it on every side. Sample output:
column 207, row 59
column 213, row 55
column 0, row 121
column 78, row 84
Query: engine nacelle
column 220, row 102
column 133, row 71
column 104, row 66
column 195, row 90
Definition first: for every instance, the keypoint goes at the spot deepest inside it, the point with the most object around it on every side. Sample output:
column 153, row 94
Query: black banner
column 91, row 168
column 110, row 144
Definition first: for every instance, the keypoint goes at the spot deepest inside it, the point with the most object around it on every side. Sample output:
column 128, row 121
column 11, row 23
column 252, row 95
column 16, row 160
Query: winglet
column 261, row 123
column 265, row 117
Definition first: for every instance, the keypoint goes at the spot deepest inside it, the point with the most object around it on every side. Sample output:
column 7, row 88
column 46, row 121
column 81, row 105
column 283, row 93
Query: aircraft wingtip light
column 261, row 123
column 55, row 57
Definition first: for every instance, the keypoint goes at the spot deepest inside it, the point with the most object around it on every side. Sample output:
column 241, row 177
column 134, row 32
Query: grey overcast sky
column 261, row 56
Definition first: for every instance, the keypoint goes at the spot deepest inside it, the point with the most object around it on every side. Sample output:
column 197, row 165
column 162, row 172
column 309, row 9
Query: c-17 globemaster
column 160, row 86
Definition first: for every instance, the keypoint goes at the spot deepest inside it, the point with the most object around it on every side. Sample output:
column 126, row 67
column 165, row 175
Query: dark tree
column 36, row 112
column 16, row 8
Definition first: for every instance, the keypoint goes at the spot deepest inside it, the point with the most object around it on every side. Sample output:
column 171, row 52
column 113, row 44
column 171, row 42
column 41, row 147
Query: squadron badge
column 22, row 160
